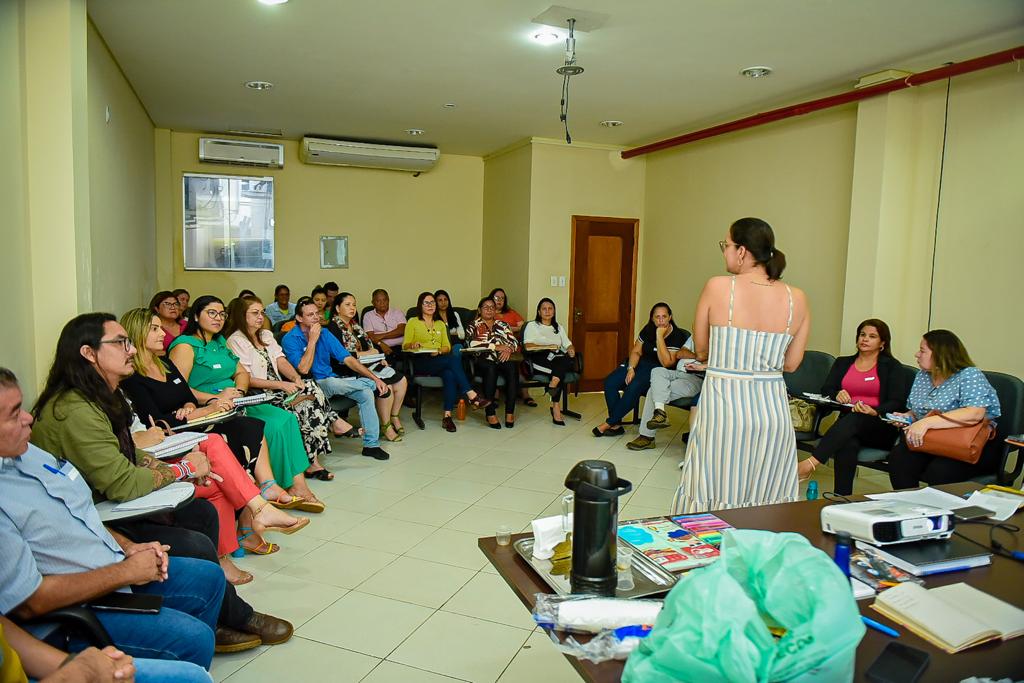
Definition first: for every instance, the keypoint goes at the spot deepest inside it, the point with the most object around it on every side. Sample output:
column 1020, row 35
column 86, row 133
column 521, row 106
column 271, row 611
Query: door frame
column 635, row 222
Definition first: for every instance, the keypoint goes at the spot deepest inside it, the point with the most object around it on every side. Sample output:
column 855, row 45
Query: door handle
column 577, row 314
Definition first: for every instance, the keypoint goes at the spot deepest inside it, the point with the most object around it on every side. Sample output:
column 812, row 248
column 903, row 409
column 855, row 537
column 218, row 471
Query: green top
column 72, row 428
column 434, row 338
column 214, row 365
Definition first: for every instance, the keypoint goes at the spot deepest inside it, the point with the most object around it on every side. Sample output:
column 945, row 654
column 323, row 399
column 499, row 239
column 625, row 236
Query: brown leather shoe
column 230, row 640
column 448, row 423
column 271, row 630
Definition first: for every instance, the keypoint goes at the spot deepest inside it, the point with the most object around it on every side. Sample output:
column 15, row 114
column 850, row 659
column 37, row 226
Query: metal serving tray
column 648, row 578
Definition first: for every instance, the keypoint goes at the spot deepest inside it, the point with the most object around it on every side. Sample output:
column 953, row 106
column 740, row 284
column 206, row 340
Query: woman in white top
column 749, row 327
column 261, row 355
column 549, row 348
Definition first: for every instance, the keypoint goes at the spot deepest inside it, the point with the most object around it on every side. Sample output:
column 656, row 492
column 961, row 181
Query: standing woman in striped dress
column 750, row 327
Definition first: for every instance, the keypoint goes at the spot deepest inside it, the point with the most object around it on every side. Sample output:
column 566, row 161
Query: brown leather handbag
column 964, row 443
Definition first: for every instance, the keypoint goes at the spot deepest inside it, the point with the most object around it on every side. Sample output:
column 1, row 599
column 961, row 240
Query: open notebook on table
column 953, row 617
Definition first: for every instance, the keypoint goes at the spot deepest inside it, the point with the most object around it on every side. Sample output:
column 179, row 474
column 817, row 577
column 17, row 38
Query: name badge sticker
column 216, row 366
column 869, row 379
column 69, row 471
column 177, row 380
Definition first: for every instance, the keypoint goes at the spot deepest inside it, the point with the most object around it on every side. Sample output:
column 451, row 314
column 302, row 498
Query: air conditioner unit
column 241, row 153
column 368, row 155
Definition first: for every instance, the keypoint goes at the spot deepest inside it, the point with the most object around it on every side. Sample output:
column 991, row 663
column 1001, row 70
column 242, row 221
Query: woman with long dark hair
column 871, row 381
column 948, row 382
column 655, row 347
column 427, row 338
column 453, row 321
column 212, row 370
column 551, row 352
column 749, row 328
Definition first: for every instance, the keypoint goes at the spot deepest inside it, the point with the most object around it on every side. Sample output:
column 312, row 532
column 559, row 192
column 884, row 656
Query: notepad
column 176, row 444
column 168, row 497
column 253, row 400
column 953, row 618
column 212, row 418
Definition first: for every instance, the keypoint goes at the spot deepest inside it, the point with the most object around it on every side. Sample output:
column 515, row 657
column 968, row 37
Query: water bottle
column 842, row 553
column 460, row 409
column 812, row 490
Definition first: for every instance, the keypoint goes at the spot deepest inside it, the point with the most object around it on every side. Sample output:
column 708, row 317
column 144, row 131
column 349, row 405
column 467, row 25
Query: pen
column 947, row 570
column 881, row 628
column 53, row 469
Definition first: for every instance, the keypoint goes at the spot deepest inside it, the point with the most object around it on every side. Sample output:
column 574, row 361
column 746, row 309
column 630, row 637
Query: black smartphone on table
column 898, row 663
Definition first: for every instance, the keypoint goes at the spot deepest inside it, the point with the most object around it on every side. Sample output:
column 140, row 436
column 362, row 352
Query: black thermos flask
column 596, row 489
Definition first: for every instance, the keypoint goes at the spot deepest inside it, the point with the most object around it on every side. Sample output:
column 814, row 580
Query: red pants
column 226, row 496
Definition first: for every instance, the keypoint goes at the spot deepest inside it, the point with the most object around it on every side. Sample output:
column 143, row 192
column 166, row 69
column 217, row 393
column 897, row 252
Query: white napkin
column 547, row 533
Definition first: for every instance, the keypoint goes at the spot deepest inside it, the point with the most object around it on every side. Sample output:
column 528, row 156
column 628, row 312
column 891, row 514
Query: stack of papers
column 168, row 497
column 176, row 444
column 926, row 496
column 370, row 358
column 253, row 400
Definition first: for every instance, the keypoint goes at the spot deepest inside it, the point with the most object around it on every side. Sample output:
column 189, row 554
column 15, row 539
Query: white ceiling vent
column 241, row 153
column 368, row 155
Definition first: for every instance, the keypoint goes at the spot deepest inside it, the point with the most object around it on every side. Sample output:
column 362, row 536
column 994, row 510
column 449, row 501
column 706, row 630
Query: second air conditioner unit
column 241, row 152
column 368, row 155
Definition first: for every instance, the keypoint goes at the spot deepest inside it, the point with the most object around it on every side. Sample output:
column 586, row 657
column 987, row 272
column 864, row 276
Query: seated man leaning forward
column 56, row 553
column 667, row 385
column 311, row 353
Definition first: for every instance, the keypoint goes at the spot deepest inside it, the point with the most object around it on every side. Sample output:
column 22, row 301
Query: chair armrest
column 1004, row 477
column 80, row 620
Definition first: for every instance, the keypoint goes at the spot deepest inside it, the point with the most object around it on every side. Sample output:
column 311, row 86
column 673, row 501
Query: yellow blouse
column 435, row 338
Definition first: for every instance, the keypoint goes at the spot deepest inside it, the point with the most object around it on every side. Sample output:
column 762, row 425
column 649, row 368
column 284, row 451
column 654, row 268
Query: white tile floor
column 388, row 584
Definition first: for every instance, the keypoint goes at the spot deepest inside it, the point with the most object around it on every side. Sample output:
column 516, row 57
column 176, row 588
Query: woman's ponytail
column 775, row 265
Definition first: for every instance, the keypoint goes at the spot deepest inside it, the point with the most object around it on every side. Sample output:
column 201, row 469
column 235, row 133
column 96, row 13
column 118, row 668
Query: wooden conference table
column 1004, row 578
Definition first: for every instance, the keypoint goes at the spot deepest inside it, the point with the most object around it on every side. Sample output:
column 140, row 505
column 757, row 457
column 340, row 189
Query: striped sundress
column 742, row 448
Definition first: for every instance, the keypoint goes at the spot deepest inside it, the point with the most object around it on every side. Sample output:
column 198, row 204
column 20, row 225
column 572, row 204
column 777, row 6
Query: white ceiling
column 371, row 69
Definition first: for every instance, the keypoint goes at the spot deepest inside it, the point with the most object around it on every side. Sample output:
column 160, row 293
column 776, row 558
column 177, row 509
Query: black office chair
column 808, row 378
column 363, row 312
column 63, row 625
column 685, row 404
column 1010, row 391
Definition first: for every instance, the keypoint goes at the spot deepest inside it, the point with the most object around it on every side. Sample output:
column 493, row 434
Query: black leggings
column 191, row 531
column 907, row 468
column 489, row 372
column 852, row 432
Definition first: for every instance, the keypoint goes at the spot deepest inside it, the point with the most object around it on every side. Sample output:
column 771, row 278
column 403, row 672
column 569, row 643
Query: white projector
column 884, row 522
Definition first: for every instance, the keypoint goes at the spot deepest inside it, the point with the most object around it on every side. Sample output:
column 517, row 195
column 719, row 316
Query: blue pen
column 881, row 628
column 53, row 469
column 946, row 570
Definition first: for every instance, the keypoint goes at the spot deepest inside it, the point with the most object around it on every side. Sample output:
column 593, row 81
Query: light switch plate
column 561, row 281
column 554, row 280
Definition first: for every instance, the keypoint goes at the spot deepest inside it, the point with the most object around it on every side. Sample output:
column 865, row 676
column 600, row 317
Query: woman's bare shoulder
column 717, row 283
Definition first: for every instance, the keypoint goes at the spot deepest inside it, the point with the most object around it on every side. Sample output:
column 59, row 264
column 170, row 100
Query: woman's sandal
column 322, row 474
column 350, row 433
column 293, row 503
column 299, row 523
column 528, row 401
column 384, row 432
column 398, row 428
column 314, row 506
column 263, row 548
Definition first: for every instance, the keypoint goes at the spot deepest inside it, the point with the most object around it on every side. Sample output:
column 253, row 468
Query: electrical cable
column 938, row 205
column 993, row 543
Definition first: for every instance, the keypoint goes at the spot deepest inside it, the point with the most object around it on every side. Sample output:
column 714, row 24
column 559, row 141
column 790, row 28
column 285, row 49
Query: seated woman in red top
column 510, row 317
column 872, row 382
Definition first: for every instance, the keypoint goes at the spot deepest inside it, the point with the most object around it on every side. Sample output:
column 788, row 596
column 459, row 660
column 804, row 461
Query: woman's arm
column 795, row 352
column 833, row 383
column 701, row 323
column 665, row 357
column 409, row 340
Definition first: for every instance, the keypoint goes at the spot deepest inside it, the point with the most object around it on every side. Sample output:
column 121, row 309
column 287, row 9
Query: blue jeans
column 619, row 406
column 447, row 366
column 360, row 390
column 163, row 671
column 183, row 629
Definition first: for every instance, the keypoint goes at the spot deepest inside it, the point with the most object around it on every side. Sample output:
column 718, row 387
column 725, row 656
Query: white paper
column 168, row 497
column 175, row 444
column 861, row 589
column 547, row 533
column 926, row 496
column 1002, row 508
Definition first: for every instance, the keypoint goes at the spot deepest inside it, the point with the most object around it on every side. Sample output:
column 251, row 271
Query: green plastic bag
column 714, row 626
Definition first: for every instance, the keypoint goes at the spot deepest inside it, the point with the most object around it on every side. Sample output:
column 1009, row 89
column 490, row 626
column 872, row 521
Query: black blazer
column 893, row 388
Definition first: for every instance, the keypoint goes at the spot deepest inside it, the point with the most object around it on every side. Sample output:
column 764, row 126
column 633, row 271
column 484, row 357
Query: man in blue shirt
column 56, row 552
column 311, row 353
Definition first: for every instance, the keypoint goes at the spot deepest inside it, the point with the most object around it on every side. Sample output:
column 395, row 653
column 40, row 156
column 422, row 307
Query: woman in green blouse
column 213, row 371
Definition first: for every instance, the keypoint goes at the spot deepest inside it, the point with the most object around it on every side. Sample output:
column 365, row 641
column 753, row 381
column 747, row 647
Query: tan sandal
column 299, row 523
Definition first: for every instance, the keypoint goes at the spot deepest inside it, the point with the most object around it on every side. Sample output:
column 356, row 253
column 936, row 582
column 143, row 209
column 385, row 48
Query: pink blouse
column 253, row 361
column 862, row 386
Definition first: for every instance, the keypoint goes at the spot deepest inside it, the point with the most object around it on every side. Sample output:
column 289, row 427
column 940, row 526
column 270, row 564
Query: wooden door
column 602, row 293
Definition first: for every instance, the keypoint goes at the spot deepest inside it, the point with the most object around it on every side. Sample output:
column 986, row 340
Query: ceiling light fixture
column 757, row 71
column 546, row 37
column 611, row 123
column 273, row 2
column 566, row 71
column 259, row 85
column 415, row 131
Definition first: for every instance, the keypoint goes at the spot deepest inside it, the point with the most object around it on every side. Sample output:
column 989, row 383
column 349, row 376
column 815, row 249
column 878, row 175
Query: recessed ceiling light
column 449, row 105
column 273, row 2
column 259, row 85
column 757, row 71
column 415, row 131
column 547, row 37
column 611, row 123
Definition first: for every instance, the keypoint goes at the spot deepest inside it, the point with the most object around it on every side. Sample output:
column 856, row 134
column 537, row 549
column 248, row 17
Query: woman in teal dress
column 213, row 371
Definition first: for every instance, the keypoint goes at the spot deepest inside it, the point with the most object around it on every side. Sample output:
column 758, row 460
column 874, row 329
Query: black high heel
column 560, row 423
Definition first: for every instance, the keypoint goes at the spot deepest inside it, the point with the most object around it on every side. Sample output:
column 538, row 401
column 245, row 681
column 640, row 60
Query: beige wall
column 980, row 232
column 574, row 180
column 121, row 186
column 18, row 349
column 506, row 225
column 405, row 234
column 795, row 174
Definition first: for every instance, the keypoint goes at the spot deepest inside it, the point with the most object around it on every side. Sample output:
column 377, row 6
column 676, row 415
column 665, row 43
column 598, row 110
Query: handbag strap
column 959, row 422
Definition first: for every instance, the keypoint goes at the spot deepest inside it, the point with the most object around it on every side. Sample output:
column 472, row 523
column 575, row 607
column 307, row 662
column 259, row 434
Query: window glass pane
column 228, row 222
